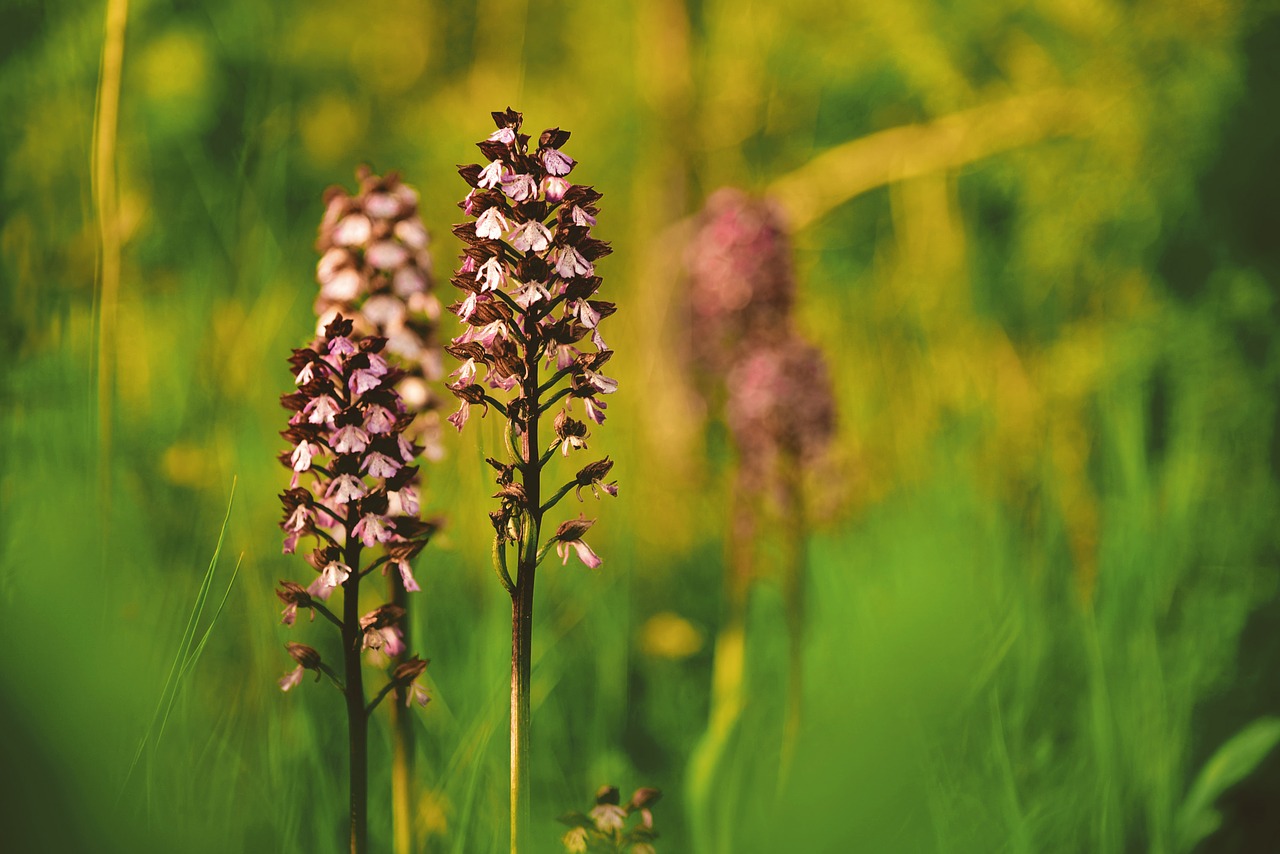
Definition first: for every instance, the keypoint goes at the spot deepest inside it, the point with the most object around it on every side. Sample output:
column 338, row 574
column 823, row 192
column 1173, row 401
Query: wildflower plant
column 532, row 351
column 375, row 268
column 352, row 493
column 611, row 826
column 775, row 393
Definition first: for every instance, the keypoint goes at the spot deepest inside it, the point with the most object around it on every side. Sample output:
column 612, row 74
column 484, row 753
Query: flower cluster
column 780, row 408
column 779, row 401
column 604, row 828
column 351, row 487
column 529, row 303
column 376, row 270
column 741, row 285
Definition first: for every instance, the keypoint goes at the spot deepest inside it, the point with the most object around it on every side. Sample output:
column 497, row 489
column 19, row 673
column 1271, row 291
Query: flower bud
column 382, row 617
column 407, row 671
column 573, row 529
column 304, row 655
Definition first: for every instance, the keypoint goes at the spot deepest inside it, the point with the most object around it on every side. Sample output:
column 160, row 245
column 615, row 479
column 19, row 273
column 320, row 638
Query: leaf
column 189, row 649
column 1233, row 761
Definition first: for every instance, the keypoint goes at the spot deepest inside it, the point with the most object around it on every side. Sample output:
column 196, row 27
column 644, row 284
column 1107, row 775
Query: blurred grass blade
column 1234, row 761
column 204, row 639
column 186, row 657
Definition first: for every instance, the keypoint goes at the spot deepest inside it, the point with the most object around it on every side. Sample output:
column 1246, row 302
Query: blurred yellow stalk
column 910, row 151
column 107, row 205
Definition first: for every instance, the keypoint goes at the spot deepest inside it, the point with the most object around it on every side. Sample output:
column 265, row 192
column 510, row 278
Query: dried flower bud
column 592, row 475
column 294, row 596
column 506, row 471
column 571, row 433
column 512, row 494
column 644, row 797
column 291, row 593
column 573, row 529
column 407, row 671
column 382, row 616
column 405, row 677
column 569, row 536
column 304, row 655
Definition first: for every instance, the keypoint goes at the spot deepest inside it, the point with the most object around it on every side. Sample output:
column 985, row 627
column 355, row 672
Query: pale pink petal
column 350, row 440
column 408, row 499
column 392, row 640
column 342, row 346
column 408, row 280
column 352, row 229
column 380, row 465
column 387, row 255
column 291, row 679
column 459, row 418
column 557, row 162
column 382, row 205
column 586, row 555
column 491, row 225
column 378, row 419
column 412, row 233
column 554, row 188
column 532, row 235
column 406, row 577
column 491, row 175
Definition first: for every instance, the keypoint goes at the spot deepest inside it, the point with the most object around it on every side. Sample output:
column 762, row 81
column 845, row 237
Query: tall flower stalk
column 775, row 393
column 529, row 285
column 375, row 268
column 781, row 415
column 352, row 492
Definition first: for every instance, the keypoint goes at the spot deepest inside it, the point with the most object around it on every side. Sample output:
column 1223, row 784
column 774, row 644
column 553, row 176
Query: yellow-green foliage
column 1036, row 240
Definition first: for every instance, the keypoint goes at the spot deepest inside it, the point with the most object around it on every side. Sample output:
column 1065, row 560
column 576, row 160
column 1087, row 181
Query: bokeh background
column 1038, row 242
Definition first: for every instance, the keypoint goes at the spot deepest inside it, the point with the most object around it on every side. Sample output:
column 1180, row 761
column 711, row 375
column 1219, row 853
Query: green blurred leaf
column 1234, row 761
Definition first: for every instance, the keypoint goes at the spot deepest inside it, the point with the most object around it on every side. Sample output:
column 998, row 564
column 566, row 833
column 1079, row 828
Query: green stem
column 357, row 717
column 555, row 499
column 796, row 532
column 377, row 698
column 391, row 580
column 522, row 602
column 402, row 755
column 327, row 614
column 550, row 384
column 554, row 399
column 496, row 404
column 333, row 677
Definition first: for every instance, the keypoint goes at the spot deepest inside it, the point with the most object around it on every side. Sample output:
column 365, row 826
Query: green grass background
column 1042, row 571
